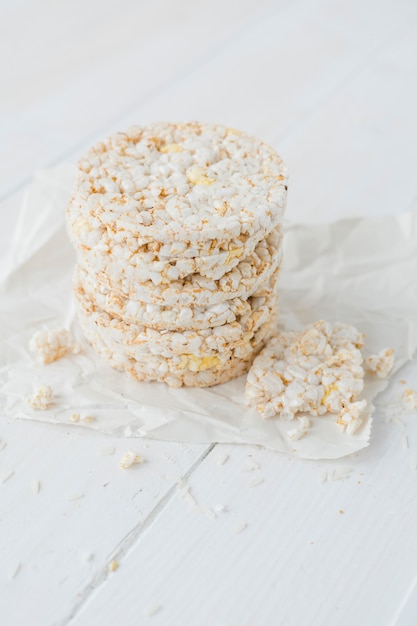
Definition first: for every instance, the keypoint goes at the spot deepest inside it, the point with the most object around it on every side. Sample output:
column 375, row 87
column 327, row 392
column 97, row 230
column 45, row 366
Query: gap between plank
column 129, row 541
column 404, row 603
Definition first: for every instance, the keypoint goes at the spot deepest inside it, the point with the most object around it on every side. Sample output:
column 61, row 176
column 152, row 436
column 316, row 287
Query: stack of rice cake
column 177, row 229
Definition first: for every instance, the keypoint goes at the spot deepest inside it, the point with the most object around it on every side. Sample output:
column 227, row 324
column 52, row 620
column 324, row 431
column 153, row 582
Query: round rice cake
column 179, row 369
column 151, row 259
column 193, row 188
column 156, row 316
column 242, row 281
column 145, row 263
column 142, row 340
column 258, row 272
column 180, row 317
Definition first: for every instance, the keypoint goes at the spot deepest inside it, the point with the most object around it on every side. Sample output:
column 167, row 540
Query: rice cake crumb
column 51, row 344
column 152, row 610
column 184, row 490
column 410, row 399
column 220, row 508
column 106, row 450
column 350, row 416
column 382, row 363
column 41, row 398
column 335, row 474
column 130, row 458
column 113, row 565
column 241, row 527
column 256, row 481
column 89, row 419
column 250, row 466
column 299, row 432
column 77, row 496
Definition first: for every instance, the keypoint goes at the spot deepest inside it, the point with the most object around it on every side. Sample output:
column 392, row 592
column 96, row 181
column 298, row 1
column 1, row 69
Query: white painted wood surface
column 333, row 86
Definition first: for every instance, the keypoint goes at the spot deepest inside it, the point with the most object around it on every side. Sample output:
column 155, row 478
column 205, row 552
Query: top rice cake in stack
column 177, row 230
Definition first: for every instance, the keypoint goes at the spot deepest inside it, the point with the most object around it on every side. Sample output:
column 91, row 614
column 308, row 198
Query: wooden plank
column 53, row 102
column 311, row 552
column 311, row 80
column 334, row 49
column 356, row 154
column 293, row 74
column 56, row 540
column 275, row 75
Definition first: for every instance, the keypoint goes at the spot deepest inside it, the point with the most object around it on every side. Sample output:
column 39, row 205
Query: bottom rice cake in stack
column 177, row 229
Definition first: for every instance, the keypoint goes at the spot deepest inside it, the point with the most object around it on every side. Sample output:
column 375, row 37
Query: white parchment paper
column 362, row 272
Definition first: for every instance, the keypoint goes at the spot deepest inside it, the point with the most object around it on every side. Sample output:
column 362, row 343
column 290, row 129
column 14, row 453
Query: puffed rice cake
column 169, row 317
column 240, row 282
column 110, row 255
column 129, row 280
column 177, row 230
column 258, row 277
column 196, row 359
column 186, row 191
column 168, row 343
column 317, row 371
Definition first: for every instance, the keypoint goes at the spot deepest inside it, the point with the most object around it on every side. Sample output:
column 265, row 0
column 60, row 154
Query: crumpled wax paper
column 358, row 271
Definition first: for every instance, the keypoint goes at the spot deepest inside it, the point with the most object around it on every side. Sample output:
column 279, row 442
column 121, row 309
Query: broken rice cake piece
column 316, row 371
column 381, row 364
column 130, row 458
column 51, row 344
column 41, row 398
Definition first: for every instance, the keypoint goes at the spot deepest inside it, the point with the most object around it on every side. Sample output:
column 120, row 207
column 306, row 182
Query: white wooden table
column 334, row 87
